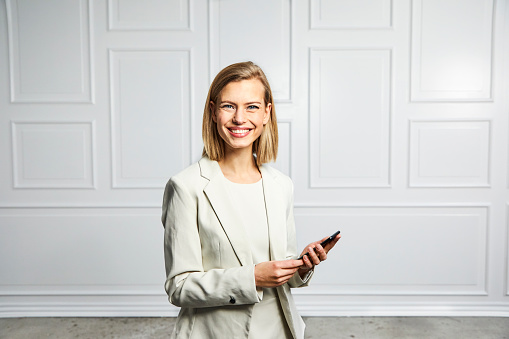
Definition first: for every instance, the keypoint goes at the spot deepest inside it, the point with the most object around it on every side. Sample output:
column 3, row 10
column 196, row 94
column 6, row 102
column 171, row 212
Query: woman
column 230, row 243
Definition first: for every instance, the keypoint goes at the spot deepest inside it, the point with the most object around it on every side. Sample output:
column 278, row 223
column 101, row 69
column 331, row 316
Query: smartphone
column 323, row 243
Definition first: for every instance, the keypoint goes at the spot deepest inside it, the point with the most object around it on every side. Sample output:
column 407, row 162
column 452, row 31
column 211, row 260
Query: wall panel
column 50, row 54
column 351, row 14
column 93, row 251
column 452, row 50
column 350, row 118
column 150, row 92
column 149, row 14
column 449, row 153
column 53, row 155
column 399, row 250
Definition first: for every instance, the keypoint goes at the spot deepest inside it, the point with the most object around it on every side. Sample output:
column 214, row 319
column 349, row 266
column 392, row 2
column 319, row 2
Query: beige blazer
column 209, row 265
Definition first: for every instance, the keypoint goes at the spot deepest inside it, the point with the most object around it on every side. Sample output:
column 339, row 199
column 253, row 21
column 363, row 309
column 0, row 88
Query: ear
column 266, row 115
column 212, row 108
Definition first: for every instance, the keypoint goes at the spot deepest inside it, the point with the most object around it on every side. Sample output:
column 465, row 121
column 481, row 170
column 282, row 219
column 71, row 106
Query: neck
column 239, row 166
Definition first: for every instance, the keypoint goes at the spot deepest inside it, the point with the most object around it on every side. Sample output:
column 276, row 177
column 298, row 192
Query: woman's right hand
column 275, row 273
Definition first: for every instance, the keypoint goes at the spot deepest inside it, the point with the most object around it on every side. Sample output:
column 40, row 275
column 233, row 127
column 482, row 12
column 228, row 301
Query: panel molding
column 383, row 178
column 118, row 181
column 316, row 22
column 89, row 148
column 53, row 260
column 483, row 180
column 485, row 46
column 476, row 211
column 86, row 94
column 183, row 24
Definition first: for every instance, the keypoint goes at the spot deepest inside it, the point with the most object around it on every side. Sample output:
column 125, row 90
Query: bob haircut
column 266, row 146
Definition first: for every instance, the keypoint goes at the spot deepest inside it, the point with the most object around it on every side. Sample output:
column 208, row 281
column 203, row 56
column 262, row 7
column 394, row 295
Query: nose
column 239, row 117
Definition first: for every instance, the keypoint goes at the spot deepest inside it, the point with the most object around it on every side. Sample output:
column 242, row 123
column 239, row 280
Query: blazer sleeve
column 187, row 284
column 295, row 280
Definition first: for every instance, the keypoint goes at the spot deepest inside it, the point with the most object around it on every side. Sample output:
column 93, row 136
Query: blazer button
column 232, row 300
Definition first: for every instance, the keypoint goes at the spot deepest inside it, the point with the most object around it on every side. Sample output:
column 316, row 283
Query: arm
column 187, row 284
column 297, row 280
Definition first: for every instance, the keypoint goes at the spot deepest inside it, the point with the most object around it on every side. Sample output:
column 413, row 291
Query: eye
column 252, row 107
column 228, row 107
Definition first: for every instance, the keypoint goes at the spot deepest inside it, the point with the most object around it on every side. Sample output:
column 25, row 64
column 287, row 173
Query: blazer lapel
column 274, row 205
column 226, row 212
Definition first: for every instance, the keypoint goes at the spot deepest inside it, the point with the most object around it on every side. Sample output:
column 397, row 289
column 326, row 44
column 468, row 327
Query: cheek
column 220, row 124
column 220, row 119
column 260, row 120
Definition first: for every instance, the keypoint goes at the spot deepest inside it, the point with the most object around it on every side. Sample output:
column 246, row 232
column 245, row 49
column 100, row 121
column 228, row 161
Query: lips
column 239, row 132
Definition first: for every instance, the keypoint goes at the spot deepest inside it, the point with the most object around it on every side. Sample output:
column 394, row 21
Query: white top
column 250, row 201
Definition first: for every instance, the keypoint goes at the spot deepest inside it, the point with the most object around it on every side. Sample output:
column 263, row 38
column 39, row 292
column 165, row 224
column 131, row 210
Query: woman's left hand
column 315, row 254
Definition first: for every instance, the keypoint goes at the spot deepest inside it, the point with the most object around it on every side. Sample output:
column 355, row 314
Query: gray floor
column 317, row 328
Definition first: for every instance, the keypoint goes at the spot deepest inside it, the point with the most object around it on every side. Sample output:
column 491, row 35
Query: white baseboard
column 87, row 310
column 406, row 310
column 161, row 309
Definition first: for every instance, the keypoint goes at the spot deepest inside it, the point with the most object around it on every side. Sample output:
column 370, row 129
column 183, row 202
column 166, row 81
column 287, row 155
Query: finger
column 291, row 263
column 307, row 262
column 283, row 280
column 330, row 245
column 318, row 242
column 284, row 277
column 314, row 257
column 290, row 273
column 322, row 254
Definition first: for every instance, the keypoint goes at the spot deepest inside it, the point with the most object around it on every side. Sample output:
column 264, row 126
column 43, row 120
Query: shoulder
column 276, row 174
column 188, row 174
column 181, row 192
column 196, row 176
column 188, row 180
column 279, row 177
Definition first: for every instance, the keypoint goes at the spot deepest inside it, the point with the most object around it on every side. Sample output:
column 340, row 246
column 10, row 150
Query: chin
column 240, row 146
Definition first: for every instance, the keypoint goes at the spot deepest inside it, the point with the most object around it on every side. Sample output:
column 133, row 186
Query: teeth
column 239, row 131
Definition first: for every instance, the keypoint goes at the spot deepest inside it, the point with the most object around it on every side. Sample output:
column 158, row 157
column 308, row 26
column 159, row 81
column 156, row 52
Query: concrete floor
column 317, row 328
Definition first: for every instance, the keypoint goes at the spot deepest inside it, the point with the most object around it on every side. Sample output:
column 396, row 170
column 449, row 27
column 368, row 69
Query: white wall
column 393, row 125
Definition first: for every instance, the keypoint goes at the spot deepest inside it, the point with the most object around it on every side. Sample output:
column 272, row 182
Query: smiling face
column 241, row 113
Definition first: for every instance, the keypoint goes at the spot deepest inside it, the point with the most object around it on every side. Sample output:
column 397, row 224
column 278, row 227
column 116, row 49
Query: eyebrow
column 247, row 103
column 233, row 102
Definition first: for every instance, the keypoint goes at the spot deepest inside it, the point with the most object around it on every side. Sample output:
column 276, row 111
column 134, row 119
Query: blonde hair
column 266, row 146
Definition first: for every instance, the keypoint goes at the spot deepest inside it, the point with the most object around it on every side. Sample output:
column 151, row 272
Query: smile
column 238, row 132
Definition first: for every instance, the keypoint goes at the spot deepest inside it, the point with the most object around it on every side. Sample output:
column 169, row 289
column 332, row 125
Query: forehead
column 243, row 90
